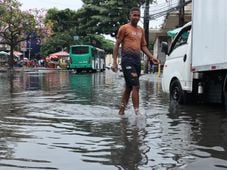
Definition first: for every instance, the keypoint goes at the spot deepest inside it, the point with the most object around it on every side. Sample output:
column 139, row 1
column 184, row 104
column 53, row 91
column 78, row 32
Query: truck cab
column 195, row 69
column 177, row 75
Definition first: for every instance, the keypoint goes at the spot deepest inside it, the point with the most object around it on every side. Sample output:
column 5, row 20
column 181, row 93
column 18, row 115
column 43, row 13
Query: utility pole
column 146, row 30
column 146, row 20
column 181, row 12
column 29, row 50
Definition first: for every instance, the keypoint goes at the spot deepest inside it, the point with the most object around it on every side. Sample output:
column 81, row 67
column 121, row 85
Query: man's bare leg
column 124, row 100
column 135, row 98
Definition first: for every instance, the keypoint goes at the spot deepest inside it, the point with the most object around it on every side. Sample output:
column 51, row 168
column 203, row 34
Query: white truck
column 196, row 61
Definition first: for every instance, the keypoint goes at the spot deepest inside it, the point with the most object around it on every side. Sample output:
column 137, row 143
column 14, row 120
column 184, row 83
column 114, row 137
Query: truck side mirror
column 164, row 47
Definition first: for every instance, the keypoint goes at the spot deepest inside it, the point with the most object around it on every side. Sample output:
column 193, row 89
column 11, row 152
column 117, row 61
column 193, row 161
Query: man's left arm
column 151, row 56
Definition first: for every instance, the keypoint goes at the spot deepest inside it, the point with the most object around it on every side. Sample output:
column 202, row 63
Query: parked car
column 109, row 66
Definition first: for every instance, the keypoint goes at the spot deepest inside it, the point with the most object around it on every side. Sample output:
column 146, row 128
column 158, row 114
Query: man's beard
column 134, row 22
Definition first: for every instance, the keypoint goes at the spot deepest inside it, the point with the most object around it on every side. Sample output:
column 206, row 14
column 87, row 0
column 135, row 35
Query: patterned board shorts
column 131, row 69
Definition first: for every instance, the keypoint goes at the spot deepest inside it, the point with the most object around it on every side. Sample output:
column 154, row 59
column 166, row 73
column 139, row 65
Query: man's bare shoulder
column 139, row 27
column 125, row 25
column 129, row 26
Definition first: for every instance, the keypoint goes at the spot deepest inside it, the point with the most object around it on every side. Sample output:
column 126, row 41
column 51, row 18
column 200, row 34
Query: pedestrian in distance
column 132, row 40
column 152, row 67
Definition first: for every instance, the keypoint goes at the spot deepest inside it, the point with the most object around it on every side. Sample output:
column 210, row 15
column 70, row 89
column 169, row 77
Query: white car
column 109, row 66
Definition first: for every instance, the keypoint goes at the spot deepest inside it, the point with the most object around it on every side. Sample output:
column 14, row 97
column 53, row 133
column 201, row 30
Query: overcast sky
column 72, row 4
column 46, row 4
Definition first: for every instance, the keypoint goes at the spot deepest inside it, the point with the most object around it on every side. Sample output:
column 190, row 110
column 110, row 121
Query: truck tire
column 176, row 92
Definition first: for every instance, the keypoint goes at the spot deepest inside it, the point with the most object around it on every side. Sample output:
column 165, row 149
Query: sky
column 74, row 5
column 46, row 4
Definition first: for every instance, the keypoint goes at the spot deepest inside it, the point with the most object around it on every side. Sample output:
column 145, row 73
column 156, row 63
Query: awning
column 3, row 53
column 17, row 53
column 173, row 32
column 53, row 56
column 60, row 54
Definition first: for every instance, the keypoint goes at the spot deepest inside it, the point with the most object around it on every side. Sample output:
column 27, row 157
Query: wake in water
column 135, row 120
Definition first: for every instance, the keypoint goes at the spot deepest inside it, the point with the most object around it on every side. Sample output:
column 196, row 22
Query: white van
column 177, row 76
column 196, row 60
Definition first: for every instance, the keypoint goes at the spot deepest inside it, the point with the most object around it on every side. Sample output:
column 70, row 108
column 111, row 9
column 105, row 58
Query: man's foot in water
column 122, row 110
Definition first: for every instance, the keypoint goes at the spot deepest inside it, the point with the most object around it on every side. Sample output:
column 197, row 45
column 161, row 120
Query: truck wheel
column 176, row 92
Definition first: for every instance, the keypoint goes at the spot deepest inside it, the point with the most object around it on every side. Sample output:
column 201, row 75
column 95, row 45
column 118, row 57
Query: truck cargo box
column 209, row 36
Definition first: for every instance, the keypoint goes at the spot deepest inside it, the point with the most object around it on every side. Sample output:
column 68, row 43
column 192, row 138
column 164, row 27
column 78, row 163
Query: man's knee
column 128, row 88
column 134, row 75
column 136, row 87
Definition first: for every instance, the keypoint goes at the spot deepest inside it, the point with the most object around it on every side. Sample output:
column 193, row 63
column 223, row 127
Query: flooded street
column 63, row 121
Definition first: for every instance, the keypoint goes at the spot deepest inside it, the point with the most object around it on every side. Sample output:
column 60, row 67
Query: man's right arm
column 120, row 37
column 115, row 55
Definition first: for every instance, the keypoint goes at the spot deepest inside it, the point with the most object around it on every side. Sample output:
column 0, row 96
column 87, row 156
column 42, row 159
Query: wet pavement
column 56, row 120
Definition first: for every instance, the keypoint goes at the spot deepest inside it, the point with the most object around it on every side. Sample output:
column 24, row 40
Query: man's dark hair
column 134, row 9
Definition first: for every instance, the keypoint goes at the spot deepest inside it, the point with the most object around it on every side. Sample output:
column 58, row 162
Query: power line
column 26, row 4
column 164, row 9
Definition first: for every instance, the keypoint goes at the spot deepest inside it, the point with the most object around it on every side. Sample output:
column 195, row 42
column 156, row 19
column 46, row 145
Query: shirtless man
column 132, row 40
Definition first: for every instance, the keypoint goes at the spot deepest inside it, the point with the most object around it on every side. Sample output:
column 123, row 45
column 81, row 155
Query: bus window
column 80, row 50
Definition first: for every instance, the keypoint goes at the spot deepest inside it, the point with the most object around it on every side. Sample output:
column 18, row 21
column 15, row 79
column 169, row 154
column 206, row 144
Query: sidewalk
column 151, row 77
column 28, row 69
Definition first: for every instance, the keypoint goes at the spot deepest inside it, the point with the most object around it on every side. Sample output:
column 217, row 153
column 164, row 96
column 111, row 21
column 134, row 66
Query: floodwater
column 56, row 120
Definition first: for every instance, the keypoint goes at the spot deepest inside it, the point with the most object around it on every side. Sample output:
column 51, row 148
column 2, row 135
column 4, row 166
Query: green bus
column 86, row 58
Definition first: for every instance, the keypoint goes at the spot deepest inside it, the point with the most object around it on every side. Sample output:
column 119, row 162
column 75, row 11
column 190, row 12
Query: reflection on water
column 133, row 150
column 65, row 121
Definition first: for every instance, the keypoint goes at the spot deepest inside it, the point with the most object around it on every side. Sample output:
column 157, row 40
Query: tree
column 104, row 17
column 57, row 42
column 62, row 40
column 62, row 20
column 62, row 24
column 14, row 25
column 99, row 41
column 65, row 29
column 95, row 18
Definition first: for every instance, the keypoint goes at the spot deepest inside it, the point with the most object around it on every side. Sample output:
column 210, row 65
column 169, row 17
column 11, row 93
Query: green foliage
column 62, row 40
column 104, row 17
column 62, row 20
column 59, row 41
column 99, row 41
column 65, row 28
column 14, row 25
column 94, row 19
